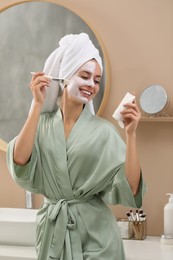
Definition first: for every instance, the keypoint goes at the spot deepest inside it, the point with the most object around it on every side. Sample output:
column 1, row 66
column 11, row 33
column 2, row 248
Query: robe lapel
column 78, row 128
column 60, row 147
column 63, row 145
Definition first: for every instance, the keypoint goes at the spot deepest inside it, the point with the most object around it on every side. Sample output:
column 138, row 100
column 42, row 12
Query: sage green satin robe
column 77, row 176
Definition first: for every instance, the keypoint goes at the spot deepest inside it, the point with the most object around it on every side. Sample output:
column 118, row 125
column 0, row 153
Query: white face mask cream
column 82, row 83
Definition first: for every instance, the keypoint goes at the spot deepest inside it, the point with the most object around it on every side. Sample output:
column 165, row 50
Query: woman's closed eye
column 85, row 77
column 97, row 81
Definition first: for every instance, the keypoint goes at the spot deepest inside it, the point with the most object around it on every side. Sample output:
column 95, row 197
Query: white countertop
column 147, row 249
column 17, row 252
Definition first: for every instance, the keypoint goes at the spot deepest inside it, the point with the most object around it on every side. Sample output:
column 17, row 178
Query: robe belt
column 60, row 213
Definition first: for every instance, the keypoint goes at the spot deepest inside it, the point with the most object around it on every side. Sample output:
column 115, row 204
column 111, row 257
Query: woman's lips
column 86, row 92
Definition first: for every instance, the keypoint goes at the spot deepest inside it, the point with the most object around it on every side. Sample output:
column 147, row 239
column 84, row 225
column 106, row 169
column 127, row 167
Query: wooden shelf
column 157, row 119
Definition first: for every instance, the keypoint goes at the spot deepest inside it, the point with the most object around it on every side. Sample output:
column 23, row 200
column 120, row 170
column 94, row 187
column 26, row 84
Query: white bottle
column 168, row 217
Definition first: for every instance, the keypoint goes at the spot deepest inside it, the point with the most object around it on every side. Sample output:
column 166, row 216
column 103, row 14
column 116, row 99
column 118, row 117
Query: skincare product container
column 134, row 227
column 125, row 228
column 139, row 229
column 167, row 238
column 168, row 216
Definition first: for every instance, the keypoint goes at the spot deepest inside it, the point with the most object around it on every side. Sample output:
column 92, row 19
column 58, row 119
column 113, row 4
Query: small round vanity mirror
column 153, row 99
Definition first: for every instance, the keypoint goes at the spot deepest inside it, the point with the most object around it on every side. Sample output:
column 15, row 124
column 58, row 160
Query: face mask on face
column 81, row 80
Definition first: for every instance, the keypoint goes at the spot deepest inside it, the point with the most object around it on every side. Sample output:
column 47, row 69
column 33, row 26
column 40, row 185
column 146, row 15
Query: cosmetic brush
column 63, row 81
column 129, row 216
column 142, row 217
column 137, row 215
column 141, row 211
column 132, row 215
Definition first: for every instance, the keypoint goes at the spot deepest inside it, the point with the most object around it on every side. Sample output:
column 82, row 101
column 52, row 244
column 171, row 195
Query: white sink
column 17, row 226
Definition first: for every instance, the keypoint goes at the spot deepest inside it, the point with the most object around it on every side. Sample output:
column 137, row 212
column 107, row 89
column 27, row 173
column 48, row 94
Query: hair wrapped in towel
column 73, row 51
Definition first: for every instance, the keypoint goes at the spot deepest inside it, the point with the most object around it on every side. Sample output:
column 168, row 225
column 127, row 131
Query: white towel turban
column 73, row 51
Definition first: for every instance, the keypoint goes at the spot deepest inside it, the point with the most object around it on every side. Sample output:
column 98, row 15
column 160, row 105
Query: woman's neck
column 70, row 114
column 70, row 110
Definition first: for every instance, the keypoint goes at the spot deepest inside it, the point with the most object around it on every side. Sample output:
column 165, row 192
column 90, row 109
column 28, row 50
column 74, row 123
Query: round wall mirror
column 29, row 32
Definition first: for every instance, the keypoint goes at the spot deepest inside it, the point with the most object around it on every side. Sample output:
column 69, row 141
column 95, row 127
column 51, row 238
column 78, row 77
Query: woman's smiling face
column 84, row 84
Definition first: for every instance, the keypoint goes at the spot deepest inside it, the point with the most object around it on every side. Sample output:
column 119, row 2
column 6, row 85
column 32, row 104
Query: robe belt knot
column 60, row 214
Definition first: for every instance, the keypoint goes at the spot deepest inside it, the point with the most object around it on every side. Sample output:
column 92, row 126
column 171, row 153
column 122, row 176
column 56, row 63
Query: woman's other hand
column 131, row 116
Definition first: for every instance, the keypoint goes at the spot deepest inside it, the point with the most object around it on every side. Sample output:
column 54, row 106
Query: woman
column 75, row 159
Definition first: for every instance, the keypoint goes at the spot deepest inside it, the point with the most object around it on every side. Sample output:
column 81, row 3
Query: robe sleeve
column 120, row 191
column 27, row 176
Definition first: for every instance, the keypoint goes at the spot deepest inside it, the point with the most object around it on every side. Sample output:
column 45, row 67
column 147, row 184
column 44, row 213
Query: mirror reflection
column 30, row 31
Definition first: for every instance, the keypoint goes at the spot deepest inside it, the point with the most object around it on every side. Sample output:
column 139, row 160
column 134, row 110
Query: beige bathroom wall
column 138, row 37
column 10, row 194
